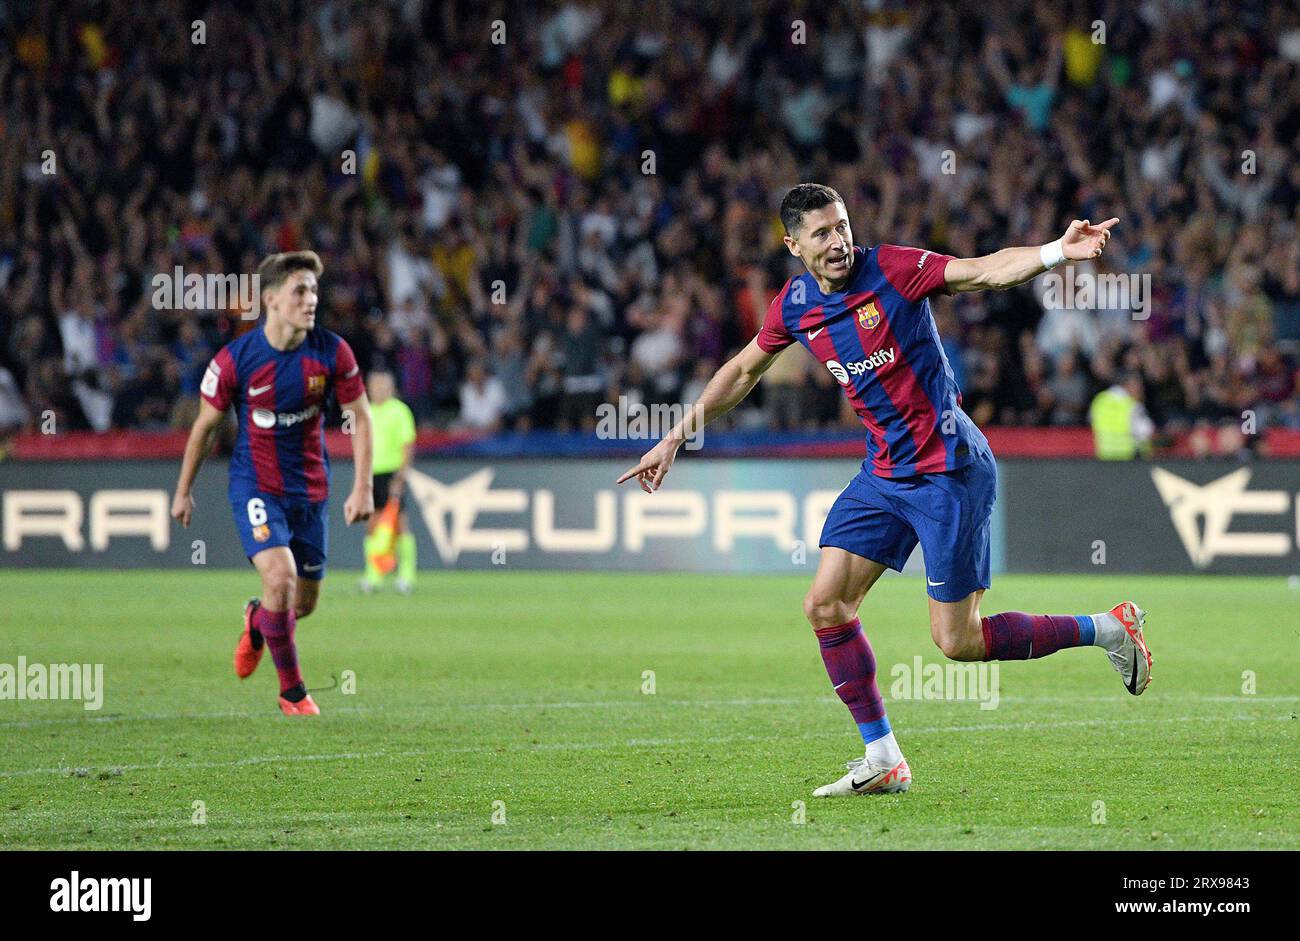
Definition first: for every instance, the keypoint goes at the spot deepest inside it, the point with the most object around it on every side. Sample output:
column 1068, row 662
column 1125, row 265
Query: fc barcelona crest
column 315, row 385
column 868, row 316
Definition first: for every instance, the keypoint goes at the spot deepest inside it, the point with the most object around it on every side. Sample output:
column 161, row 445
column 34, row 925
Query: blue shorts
column 265, row 521
column 949, row 513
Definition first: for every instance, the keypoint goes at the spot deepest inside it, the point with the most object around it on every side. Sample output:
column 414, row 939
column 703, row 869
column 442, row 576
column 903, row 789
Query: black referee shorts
column 382, row 482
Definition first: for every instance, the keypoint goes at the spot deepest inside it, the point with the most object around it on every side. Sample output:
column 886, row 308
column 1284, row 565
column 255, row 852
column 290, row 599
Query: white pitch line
column 177, row 716
column 430, row 707
column 257, row 760
column 644, row 700
column 630, row 743
column 608, row 704
column 1174, row 697
column 614, row 703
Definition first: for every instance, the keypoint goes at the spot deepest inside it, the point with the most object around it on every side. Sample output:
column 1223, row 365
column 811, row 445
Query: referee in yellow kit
column 394, row 430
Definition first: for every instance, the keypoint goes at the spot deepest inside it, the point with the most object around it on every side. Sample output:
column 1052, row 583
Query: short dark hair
column 804, row 198
column 275, row 268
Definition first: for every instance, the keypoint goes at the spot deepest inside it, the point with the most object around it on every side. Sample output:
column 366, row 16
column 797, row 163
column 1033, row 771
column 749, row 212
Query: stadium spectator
column 482, row 400
column 1069, row 391
column 14, row 413
column 467, row 197
column 583, row 382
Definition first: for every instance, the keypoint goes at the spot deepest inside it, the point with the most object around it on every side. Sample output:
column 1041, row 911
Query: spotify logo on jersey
column 874, row 361
column 263, row 418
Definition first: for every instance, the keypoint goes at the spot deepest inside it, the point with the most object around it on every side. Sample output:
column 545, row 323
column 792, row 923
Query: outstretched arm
column 725, row 391
column 1012, row 266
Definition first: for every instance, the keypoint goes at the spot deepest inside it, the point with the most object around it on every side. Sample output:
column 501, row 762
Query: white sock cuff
column 1109, row 632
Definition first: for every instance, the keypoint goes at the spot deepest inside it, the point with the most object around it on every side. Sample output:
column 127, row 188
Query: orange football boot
column 303, row 707
column 247, row 656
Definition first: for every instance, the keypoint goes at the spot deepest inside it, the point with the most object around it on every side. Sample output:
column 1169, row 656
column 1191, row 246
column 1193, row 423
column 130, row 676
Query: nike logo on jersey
column 254, row 390
column 812, row 334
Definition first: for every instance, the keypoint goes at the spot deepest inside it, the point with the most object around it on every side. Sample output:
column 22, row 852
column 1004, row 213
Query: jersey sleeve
column 219, row 381
column 913, row 272
column 348, row 384
column 773, row 337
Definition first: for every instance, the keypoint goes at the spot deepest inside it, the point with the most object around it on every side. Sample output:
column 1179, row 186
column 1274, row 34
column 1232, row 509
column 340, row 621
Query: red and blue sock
column 852, row 668
column 1014, row 635
column 277, row 627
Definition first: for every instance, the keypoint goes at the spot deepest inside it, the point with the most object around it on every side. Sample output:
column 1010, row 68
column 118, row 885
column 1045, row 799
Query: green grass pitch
column 526, row 689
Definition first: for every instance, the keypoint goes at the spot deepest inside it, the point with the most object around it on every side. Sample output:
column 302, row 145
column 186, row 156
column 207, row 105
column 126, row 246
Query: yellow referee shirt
column 394, row 427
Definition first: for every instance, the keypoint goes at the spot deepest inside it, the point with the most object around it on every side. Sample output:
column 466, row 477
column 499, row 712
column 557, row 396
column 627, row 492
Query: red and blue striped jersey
column 280, row 398
column 878, row 339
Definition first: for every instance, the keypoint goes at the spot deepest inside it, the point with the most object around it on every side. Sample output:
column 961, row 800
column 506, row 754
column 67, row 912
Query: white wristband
column 1051, row 254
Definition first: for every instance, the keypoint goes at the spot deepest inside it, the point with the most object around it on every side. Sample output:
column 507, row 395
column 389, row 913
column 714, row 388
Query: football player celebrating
column 278, row 378
column 929, row 476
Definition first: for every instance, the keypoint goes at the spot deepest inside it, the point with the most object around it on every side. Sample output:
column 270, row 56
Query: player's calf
column 277, row 627
column 851, row 665
column 1014, row 635
column 305, row 601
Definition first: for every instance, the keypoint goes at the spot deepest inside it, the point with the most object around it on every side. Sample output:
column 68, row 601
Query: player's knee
column 948, row 645
column 280, row 584
column 958, row 645
column 824, row 611
column 304, row 607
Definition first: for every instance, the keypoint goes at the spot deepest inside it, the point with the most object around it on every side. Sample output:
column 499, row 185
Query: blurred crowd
column 527, row 209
